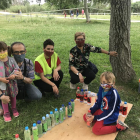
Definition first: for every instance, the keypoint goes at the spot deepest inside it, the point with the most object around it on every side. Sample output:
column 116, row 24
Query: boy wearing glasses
column 77, row 64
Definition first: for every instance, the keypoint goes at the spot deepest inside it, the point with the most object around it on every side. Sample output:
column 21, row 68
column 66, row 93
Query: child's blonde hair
column 109, row 76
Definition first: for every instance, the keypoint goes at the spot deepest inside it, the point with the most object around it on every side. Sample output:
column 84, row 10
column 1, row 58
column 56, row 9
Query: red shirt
column 38, row 67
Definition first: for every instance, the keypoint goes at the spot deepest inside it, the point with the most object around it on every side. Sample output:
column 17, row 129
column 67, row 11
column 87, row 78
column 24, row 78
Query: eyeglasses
column 19, row 52
column 80, row 39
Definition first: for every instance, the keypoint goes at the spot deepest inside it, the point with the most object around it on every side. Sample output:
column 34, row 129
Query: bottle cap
column 43, row 118
column 139, row 80
column 34, row 124
column 72, row 100
column 125, row 102
column 17, row 136
column 82, row 90
column 62, row 105
column 51, row 112
column 78, row 87
column 47, row 115
column 85, row 89
column 38, row 122
column 89, row 111
column 26, row 128
column 89, row 91
column 61, row 109
column 69, row 103
column 56, row 109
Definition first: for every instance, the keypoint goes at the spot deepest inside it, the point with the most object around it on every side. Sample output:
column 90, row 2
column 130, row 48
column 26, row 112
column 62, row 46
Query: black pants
column 88, row 73
column 46, row 87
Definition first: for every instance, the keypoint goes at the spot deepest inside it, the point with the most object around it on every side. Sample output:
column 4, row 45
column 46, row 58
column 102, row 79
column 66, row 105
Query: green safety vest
column 46, row 69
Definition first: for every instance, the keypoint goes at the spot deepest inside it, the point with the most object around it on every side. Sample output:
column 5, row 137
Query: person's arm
column 112, row 53
column 4, row 80
column 44, row 79
column 4, row 99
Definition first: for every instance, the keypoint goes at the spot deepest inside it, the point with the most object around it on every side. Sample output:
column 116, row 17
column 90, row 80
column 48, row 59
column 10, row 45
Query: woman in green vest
column 48, row 74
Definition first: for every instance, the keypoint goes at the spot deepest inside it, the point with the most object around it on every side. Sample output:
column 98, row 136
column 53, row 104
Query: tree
column 119, row 39
column 86, row 11
column 4, row 4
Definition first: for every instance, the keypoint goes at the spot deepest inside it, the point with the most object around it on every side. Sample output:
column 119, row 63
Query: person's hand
column 4, row 80
column 5, row 99
column 113, row 53
column 55, row 89
column 81, row 78
column 56, row 75
column 18, row 74
column 11, row 77
column 90, row 119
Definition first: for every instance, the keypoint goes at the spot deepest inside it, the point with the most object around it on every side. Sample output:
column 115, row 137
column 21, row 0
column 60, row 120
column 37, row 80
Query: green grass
column 33, row 32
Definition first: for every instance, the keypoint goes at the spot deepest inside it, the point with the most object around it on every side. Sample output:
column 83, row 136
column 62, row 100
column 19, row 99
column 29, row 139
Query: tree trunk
column 86, row 11
column 119, row 39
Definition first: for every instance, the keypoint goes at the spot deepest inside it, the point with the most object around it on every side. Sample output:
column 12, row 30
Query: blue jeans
column 32, row 93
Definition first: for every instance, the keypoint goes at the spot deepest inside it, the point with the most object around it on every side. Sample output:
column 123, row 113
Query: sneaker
column 15, row 112
column 7, row 117
column 85, row 86
column 72, row 86
column 121, row 126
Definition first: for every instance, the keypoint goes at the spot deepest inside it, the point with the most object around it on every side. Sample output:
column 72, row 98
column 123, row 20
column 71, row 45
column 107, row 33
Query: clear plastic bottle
column 27, row 134
column 89, row 98
column 121, row 108
column 64, row 112
column 73, row 105
column 61, row 115
column 35, row 132
column 44, row 124
column 85, row 96
column 48, row 119
column 52, row 119
column 81, row 95
column 17, row 137
column 78, row 94
column 69, row 110
column 88, row 116
column 125, row 106
column 39, row 126
column 56, row 116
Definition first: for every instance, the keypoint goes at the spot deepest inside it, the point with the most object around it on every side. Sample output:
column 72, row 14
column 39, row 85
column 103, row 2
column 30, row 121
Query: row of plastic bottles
column 84, row 96
column 48, row 122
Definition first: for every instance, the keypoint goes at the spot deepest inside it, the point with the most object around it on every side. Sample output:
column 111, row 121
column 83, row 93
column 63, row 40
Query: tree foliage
column 4, row 4
column 135, row 7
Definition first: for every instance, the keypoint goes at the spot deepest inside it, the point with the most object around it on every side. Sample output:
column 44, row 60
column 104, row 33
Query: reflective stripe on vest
column 46, row 69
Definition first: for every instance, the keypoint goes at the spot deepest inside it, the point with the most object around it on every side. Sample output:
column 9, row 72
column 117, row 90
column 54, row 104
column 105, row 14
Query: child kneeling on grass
column 105, row 112
column 8, row 84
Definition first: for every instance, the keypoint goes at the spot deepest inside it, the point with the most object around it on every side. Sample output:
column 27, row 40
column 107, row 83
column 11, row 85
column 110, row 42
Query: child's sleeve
column 111, row 107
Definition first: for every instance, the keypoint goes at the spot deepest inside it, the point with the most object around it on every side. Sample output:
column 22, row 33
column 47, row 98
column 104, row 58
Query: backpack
column 21, row 86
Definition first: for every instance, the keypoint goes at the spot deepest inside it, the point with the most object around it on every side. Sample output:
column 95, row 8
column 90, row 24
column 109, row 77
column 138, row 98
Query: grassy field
column 33, row 31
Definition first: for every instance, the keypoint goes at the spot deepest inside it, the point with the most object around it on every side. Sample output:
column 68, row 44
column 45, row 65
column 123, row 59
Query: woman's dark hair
column 48, row 42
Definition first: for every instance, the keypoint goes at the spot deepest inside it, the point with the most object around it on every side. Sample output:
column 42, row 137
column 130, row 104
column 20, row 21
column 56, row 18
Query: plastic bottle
column 69, row 110
column 125, row 106
column 78, row 94
column 89, row 98
column 39, row 126
column 44, row 124
column 64, row 112
column 89, row 115
column 61, row 115
column 81, row 95
column 85, row 96
column 139, row 87
column 56, row 116
column 121, row 108
column 73, row 105
column 48, row 119
column 35, row 132
column 52, row 119
column 27, row 134
column 17, row 137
